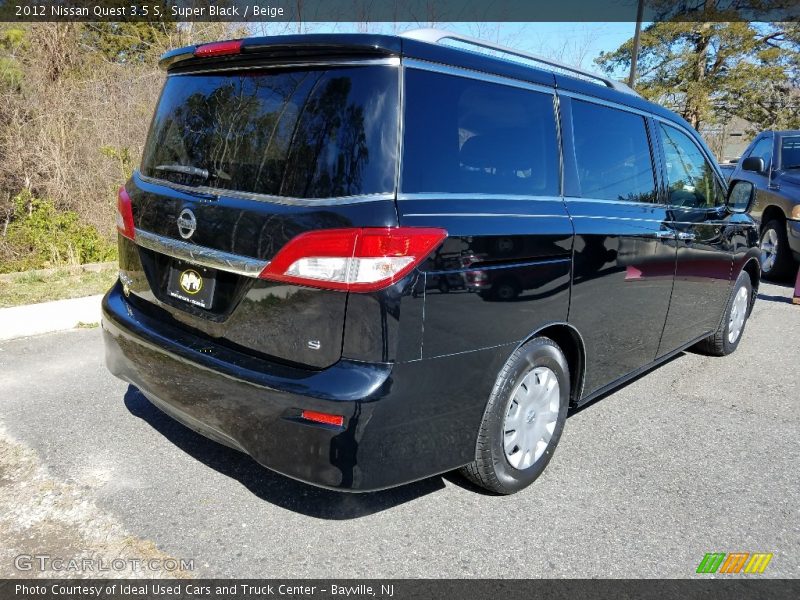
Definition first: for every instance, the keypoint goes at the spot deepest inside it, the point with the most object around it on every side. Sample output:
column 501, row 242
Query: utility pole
column 635, row 51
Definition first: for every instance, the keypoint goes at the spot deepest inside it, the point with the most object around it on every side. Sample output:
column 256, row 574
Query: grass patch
column 32, row 288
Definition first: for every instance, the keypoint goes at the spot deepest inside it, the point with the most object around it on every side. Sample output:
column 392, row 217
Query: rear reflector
column 219, row 49
column 320, row 417
column 355, row 260
column 125, row 214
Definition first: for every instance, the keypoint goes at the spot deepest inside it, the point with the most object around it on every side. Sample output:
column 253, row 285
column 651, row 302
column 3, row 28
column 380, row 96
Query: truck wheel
column 776, row 256
column 729, row 333
column 523, row 420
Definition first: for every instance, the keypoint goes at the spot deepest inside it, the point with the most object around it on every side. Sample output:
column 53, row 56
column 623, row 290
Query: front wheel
column 729, row 333
column 523, row 420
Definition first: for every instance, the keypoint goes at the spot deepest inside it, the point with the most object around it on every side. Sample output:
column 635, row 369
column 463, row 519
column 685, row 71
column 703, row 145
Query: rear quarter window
column 315, row 133
column 468, row 136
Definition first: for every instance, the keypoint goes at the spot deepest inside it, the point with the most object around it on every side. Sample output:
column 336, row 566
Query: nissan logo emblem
column 187, row 223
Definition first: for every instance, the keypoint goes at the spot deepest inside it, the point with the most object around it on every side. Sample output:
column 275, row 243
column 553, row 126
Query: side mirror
column 740, row 196
column 753, row 163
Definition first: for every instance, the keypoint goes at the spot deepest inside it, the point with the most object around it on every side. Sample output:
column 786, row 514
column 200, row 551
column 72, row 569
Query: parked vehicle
column 727, row 169
column 772, row 164
column 298, row 194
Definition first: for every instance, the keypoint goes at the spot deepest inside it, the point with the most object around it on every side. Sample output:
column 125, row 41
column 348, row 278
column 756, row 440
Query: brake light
column 321, row 417
column 125, row 214
column 355, row 260
column 219, row 49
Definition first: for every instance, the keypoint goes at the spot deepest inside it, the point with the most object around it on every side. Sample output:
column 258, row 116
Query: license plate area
column 192, row 284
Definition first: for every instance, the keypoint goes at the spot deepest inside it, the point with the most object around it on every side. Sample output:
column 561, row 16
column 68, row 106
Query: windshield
column 313, row 133
column 790, row 152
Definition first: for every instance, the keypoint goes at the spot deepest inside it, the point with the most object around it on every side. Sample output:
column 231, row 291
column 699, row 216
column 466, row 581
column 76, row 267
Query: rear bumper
column 397, row 427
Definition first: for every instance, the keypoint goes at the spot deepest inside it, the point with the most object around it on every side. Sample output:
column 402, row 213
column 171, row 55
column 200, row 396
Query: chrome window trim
column 203, row 190
column 607, row 103
column 200, row 255
column 401, row 125
column 444, row 69
column 449, row 196
column 391, row 61
column 622, row 202
column 513, row 215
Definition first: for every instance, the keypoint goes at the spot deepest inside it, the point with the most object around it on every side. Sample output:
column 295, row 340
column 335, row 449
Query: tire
column 720, row 342
column 505, row 291
column 776, row 255
column 444, row 287
column 501, row 465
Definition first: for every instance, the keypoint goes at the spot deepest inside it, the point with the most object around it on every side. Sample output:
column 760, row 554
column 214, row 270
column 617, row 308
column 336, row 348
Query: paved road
column 700, row 455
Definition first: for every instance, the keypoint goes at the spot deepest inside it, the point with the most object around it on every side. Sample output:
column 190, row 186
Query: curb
column 48, row 317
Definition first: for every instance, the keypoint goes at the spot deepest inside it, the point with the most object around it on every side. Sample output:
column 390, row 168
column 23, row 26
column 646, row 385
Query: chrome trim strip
column 451, row 196
column 392, row 61
column 200, row 255
column 632, row 203
column 425, row 65
column 401, row 125
column 515, row 215
column 203, row 190
column 596, row 100
column 638, row 219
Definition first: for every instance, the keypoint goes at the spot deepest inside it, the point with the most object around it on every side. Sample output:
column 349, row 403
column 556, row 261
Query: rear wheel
column 776, row 256
column 506, row 291
column 523, row 420
column 729, row 333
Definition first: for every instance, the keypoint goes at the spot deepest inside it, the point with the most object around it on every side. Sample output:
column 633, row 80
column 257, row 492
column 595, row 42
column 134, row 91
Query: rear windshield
column 318, row 133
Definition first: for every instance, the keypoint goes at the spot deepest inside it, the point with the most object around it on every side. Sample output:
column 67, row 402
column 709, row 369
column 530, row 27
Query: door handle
column 665, row 235
column 686, row 237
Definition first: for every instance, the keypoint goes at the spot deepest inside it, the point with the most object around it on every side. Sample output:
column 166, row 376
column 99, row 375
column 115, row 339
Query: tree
column 708, row 71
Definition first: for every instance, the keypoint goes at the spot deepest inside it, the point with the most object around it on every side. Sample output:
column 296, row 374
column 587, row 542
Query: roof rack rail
column 435, row 36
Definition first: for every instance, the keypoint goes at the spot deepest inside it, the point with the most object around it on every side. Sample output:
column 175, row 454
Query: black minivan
column 301, row 199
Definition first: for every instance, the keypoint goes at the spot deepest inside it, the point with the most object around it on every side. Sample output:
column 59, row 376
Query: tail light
column 125, row 214
column 355, row 260
column 219, row 49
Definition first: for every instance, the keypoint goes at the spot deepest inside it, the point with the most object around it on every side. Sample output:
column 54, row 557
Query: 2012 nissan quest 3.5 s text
column 365, row 259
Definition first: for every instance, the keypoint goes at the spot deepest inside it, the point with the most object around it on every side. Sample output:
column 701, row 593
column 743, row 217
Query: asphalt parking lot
column 700, row 455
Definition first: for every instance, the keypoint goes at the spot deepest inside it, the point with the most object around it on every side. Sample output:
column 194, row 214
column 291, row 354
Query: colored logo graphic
column 191, row 282
column 735, row 562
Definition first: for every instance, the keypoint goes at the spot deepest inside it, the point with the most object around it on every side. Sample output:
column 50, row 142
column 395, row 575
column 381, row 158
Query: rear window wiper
column 195, row 171
column 184, row 169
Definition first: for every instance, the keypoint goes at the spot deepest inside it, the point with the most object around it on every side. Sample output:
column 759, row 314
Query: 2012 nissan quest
column 365, row 259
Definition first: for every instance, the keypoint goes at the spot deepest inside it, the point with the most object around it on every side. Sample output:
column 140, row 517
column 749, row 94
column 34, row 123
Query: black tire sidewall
column 783, row 259
column 540, row 352
column 743, row 280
